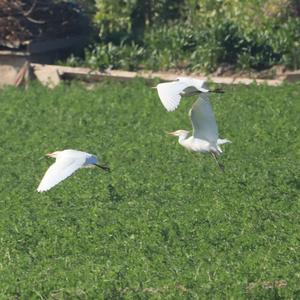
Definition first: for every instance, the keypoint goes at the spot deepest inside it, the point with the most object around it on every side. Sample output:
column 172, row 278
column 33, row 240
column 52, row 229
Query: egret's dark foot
column 221, row 167
column 105, row 168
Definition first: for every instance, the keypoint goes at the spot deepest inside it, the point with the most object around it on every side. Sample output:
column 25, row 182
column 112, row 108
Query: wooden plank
column 90, row 75
column 13, row 53
column 23, row 75
column 292, row 76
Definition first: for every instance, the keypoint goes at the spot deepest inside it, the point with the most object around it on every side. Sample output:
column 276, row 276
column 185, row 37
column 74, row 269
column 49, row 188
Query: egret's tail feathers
column 223, row 141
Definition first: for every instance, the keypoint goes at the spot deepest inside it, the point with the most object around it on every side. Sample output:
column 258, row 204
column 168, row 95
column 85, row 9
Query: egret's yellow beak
column 172, row 133
column 153, row 87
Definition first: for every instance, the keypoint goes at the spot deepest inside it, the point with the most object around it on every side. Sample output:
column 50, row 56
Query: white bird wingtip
column 41, row 190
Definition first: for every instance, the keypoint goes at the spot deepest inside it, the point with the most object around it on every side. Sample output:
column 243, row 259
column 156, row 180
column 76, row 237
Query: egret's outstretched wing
column 203, row 119
column 60, row 170
column 170, row 94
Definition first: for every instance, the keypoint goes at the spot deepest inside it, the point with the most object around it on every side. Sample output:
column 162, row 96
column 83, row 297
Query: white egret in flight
column 67, row 162
column 205, row 137
column 170, row 93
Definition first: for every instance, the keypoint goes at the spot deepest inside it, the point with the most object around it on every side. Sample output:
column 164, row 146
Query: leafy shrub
column 196, row 34
column 112, row 56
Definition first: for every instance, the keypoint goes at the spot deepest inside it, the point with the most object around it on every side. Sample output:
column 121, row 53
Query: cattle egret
column 205, row 137
column 170, row 93
column 66, row 163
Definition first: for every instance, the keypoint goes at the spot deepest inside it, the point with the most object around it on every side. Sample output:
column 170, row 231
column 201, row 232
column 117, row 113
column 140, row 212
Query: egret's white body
column 197, row 145
column 170, row 93
column 67, row 162
column 205, row 137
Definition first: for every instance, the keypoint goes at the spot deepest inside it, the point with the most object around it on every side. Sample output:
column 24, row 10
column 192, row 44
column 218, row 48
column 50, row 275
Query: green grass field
column 165, row 223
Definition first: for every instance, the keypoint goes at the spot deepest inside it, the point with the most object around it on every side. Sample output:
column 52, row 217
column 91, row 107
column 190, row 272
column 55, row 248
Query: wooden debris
column 23, row 75
column 22, row 21
column 292, row 76
column 47, row 76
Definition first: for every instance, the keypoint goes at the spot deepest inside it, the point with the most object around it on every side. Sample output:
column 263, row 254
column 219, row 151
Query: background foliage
column 195, row 34
column 165, row 223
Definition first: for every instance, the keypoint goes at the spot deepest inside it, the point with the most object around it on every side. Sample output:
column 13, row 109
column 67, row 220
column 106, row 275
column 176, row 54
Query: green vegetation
column 165, row 223
column 194, row 35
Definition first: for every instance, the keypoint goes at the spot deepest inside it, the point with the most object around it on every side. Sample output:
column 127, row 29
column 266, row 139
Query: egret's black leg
column 221, row 166
column 105, row 168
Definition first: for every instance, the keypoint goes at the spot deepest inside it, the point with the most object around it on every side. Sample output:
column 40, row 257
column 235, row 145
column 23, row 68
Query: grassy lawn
column 165, row 223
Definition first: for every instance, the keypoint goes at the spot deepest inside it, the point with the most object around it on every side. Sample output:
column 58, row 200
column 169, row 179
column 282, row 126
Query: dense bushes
column 195, row 34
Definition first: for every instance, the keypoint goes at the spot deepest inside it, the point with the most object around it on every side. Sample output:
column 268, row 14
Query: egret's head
column 179, row 133
column 53, row 154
